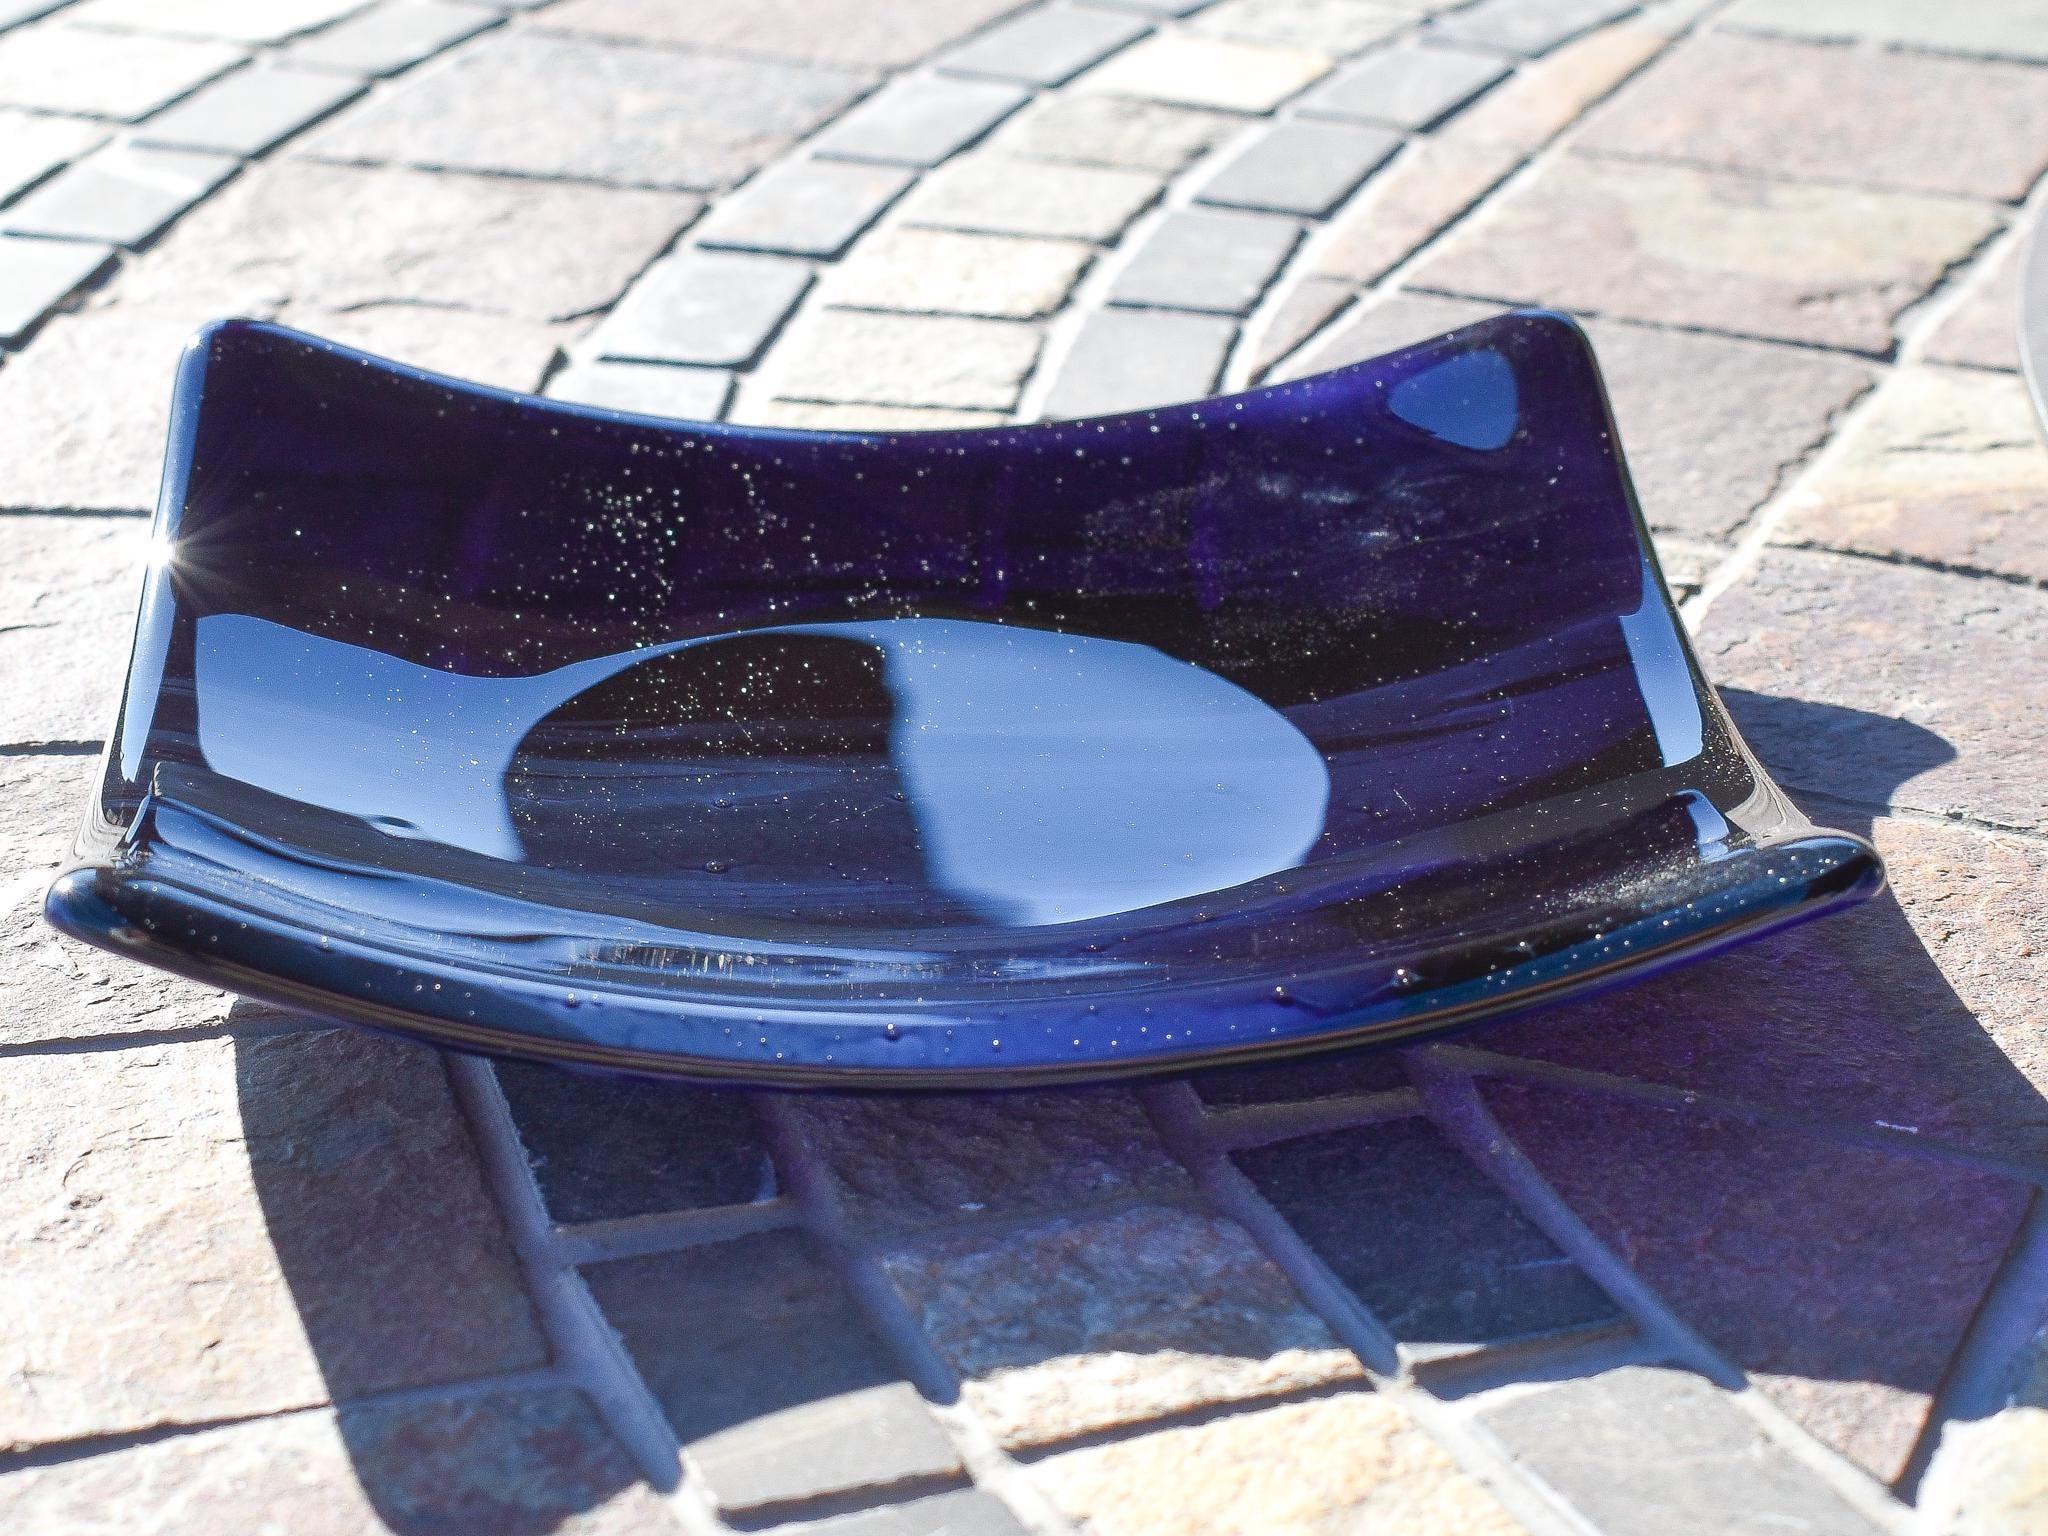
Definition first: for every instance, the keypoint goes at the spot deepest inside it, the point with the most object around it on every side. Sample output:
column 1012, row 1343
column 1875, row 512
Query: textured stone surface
column 1115, row 131
column 772, row 1380
column 1075, row 1326
column 242, row 21
column 1205, row 259
column 386, row 38
column 1303, row 1080
column 647, row 389
column 1959, row 665
column 1646, row 1451
column 1396, row 321
column 1429, row 1244
column 1405, row 87
column 32, row 146
column 62, row 655
column 846, row 356
column 712, row 308
column 1888, row 119
column 938, row 271
column 1988, row 1477
column 921, row 120
column 1983, row 329
column 1307, row 306
column 1351, row 1462
column 318, row 1231
column 1208, row 72
column 602, row 1148
column 1305, row 168
column 845, row 32
column 248, row 111
column 803, row 207
column 522, row 102
column 1430, row 183
column 1544, row 98
column 1528, row 26
column 102, row 74
column 1824, row 264
column 37, row 275
column 1020, row 197
column 903, row 1164
column 1946, row 466
column 1045, row 45
column 508, row 351
column 963, row 1512
column 1130, row 359
column 119, row 195
column 532, row 1464
column 1338, row 26
column 2009, row 29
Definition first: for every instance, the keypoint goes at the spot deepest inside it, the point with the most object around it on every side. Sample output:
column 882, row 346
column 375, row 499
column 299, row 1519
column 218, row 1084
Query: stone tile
column 921, row 120
column 1983, row 330
column 1352, row 1462
column 315, row 1229
column 1305, row 168
column 37, row 275
column 1528, row 26
column 65, row 659
column 1396, row 321
column 522, row 102
column 517, row 1465
column 1830, row 265
column 1711, row 425
column 803, row 208
column 1081, row 1325
column 1890, row 119
column 818, row 416
column 1309, row 305
column 1208, row 72
column 31, row 147
column 119, row 195
column 1406, row 87
column 1047, row 45
column 1947, row 466
column 1115, row 131
column 1652, row 1451
column 1133, row 359
column 1334, row 26
column 238, row 21
column 1430, row 183
column 1961, row 661
column 1540, row 100
column 1986, row 1477
column 1301, row 1081
column 342, row 237
column 603, row 1148
column 964, row 1512
column 1201, row 259
column 646, row 389
column 248, row 111
column 855, row 33
column 773, row 1381
column 389, row 37
column 841, row 356
column 1429, row 1244
column 1000, row 196
column 56, row 68
column 507, row 351
column 713, row 308
column 2014, row 29
column 937, row 271
column 1839, row 1278
column 902, row 1164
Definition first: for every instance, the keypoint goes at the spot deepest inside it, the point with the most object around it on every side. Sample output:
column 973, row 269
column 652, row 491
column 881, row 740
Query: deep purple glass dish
column 1346, row 710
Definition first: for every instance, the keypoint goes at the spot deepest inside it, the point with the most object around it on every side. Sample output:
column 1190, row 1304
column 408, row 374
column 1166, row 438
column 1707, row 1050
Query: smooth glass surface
column 1340, row 710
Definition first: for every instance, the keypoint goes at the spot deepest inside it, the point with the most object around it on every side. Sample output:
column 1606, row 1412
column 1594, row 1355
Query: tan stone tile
column 841, row 356
column 1542, row 99
column 1982, row 331
column 1208, row 72
column 1334, row 26
column 995, row 195
column 935, row 271
column 857, row 32
column 1426, row 186
column 1115, row 131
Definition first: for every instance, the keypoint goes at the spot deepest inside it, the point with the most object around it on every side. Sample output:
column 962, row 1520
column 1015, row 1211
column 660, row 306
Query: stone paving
column 1757, row 1247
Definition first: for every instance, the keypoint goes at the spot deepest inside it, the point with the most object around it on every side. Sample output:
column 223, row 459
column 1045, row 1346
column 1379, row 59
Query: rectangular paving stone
column 646, row 389
column 505, row 351
column 1336, row 26
column 1983, row 330
column 1972, row 127
column 1301, row 1081
column 1115, row 131
column 1132, row 359
column 963, row 1512
column 803, row 208
column 920, row 120
column 1408, row 87
column 1203, row 259
column 503, row 1462
column 120, row 195
column 855, row 33
column 1351, row 1462
column 1528, row 26
column 56, row 68
column 1546, row 96
column 605, row 1148
column 1654, row 1451
column 1429, row 183
column 1208, row 72
column 1308, row 306
column 1384, row 325
column 524, row 102
column 1305, row 168
column 389, row 37
column 32, row 146
column 773, row 1381
column 2013, row 29
column 939, row 271
column 995, row 195
column 1824, row 264
column 847, row 356
column 1077, row 1326
column 1428, row 1244
column 1047, row 45
column 248, row 111
column 37, row 275
column 713, row 308
column 240, row 21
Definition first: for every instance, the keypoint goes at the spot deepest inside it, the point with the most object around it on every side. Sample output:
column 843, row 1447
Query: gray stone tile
column 36, row 275
column 533, row 104
column 1199, row 258
column 1983, row 330
column 386, row 38
column 56, row 68
column 713, row 308
column 1308, row 306
column 803, row 207
column 1132, row 359
column 849, row 33
column 773, row 1381
column 1115, row 131
column 965, row 1512
column 920, row 121
column 248, row 111
column 992, row 194
column 1406, row 87
column 121, row 195
column 1336, row 26
column 1300, row 167
column 1218, row 72
column 1155, row 7
column 32, row 146
column 1528, row 26
column 238, row 21
column 2010, row 29
column 1651, row 1451
column 851, row 357
column 942, row 271
column 646, row 389
column 1047, row 45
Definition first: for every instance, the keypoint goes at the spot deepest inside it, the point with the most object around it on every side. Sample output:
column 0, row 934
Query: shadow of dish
column 1785, row 1217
